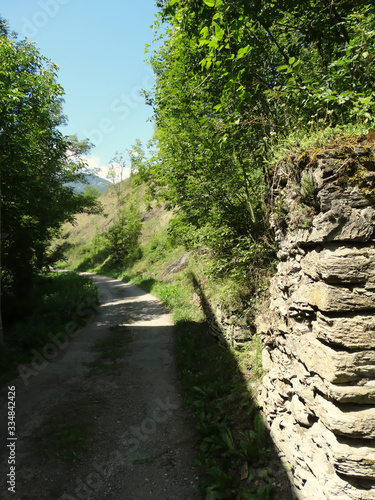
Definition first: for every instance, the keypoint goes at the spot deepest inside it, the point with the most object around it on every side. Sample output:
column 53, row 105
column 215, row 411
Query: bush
column 123, row 235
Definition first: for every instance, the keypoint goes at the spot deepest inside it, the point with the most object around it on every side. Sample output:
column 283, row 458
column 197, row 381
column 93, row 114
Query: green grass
column 316, row 138
column 233, row 447
column 55, row 304
column 173, row 296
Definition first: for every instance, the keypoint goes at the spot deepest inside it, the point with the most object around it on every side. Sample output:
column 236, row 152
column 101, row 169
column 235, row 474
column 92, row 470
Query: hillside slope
column 160, row 254
column 78, row 240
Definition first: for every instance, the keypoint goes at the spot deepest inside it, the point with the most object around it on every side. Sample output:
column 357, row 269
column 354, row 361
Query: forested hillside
column 240, row 86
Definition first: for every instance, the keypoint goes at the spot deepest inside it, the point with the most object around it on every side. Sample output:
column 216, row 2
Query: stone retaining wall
column 319, row 335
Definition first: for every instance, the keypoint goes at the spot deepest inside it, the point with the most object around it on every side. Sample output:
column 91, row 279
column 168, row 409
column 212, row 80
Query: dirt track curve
column 136, row 441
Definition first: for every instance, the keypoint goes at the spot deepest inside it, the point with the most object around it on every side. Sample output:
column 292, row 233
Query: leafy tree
column 138, row 162
column 91, row 192
column 123, row 235
column 116, row 172
column 233, row 80
column 36, row 162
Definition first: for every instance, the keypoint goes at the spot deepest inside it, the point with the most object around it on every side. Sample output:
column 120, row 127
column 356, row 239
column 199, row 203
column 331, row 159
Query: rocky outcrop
column 178, row 265
column 318, row 393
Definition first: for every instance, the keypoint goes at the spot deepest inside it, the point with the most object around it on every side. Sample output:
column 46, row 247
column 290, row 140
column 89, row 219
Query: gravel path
column 126, row 414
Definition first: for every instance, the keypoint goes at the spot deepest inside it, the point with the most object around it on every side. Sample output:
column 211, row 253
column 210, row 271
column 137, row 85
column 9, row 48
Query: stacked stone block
column 318, row 393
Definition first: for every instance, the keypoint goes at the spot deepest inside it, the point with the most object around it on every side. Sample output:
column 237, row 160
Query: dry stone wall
column 318, row 394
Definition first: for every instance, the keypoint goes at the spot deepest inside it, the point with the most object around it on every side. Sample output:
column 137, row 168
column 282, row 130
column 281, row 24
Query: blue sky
column 99, row 48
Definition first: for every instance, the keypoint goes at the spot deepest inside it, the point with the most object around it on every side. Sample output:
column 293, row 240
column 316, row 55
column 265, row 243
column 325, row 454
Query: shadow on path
column 86, row 435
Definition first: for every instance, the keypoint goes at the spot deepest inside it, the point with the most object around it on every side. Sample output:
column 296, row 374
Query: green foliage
column 54, row 301
column 91, row 192
column 36, row 163
column 138, row 163
column 308, row 186
column 234, row 460
column 123, row 235
column 234, row 83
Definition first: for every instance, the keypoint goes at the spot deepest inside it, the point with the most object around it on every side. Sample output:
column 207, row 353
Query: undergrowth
column 55, row 301
column 233, row 446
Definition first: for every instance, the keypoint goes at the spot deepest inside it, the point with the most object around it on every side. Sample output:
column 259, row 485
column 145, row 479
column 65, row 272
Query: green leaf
column 291, row 60
column 213, row 43
column 204, row 32
column 219, row 32
column 365, row 100
column 258, row 427
column 243, row 51
column 209, row 3
column 330, row 98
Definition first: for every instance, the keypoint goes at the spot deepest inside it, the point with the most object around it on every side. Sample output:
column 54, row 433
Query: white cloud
column 93, row 162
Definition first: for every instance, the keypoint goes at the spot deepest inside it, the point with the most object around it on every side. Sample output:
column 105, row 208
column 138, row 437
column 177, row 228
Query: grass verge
column 58, row 302
column 233, row 444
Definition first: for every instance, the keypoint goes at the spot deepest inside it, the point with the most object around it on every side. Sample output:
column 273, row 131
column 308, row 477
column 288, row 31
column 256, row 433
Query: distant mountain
column 92, row 180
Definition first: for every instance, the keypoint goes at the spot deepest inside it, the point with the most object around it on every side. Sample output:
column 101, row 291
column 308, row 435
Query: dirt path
column 104, row 418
